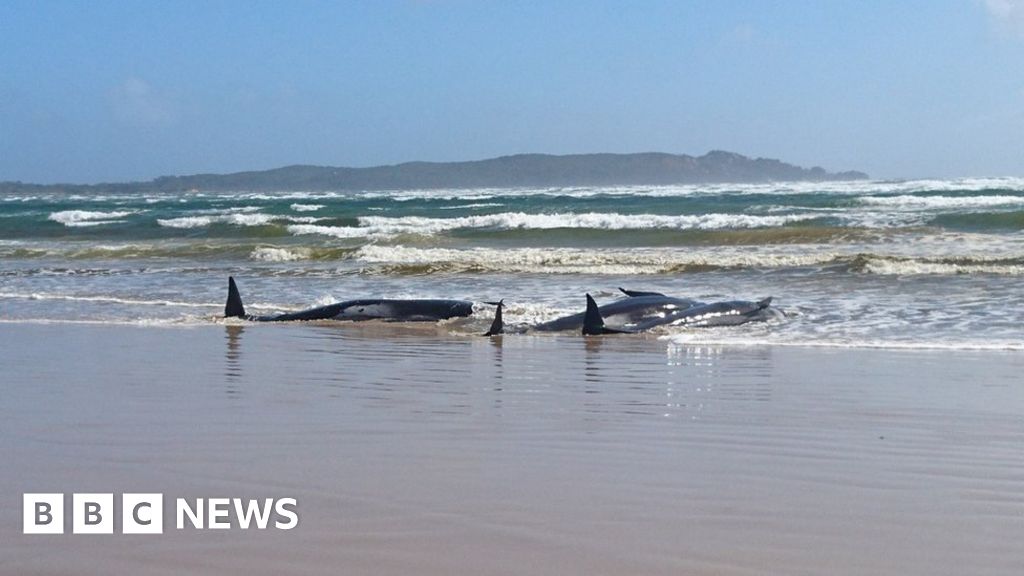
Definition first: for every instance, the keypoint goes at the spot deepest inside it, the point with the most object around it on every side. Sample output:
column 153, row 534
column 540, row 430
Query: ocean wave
column 245, row 219
column 306, row 207
column 82, row 218
column 274, row 254
column 404, row 260
column 942, row 202
column 473, row 205
column 383, row 226
column 177, row 249
column 901, row 266
column 592, row 220
column 334, row 231
column 408, row 260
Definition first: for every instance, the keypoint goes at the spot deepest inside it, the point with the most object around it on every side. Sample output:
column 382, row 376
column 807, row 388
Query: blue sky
column 110, row 91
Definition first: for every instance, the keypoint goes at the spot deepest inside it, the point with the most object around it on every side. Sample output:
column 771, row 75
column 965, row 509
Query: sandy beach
column 249, row 253
column 414, row 451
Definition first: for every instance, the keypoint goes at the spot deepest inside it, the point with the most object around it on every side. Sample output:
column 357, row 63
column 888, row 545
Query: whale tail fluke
column 762, row 304
column 593, row 323
column 638, row 293
column 233, row 308
column 498, row 325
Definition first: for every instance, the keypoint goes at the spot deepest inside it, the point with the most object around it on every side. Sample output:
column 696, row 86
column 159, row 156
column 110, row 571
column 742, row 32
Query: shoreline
column 671, row 339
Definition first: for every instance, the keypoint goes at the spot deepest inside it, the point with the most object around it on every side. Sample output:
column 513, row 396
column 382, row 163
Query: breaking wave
column 244, row 219
column 306, row 207
column 377, row 226
column 942, row 202
column 273, row 254
column 419, row 261
column 82, row 218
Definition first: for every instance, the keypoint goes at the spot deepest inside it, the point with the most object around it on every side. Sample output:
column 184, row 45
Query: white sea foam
column 574, row 260
column 718, row 338
column 335, row 231
column 911, row 267
column 942, row 202
column 592, row 220
column 378, row 226
column 273, row 254
column 306, row 207
column 107, row 299
column 885, row 260
column 186, row 222
column 80, row 218
column 473, row 205
column 250, row 219
column 181, row 322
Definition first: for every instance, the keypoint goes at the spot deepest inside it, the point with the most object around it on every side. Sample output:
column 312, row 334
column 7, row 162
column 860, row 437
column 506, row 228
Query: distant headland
column 521, row 170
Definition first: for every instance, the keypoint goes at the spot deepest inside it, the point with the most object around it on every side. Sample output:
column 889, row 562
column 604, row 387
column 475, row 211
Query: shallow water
column 413, row 449
column 917, row 264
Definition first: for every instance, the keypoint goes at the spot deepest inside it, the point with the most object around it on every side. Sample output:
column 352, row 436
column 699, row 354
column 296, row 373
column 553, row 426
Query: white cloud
column 136, row 103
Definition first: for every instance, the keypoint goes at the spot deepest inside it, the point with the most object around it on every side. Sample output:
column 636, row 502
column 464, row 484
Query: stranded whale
column 728, row 313
column 636, row 307
column 366, row 309
column 637, row 312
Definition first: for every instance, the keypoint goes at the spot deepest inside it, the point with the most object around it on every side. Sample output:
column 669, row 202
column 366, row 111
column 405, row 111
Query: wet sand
column 414, row 451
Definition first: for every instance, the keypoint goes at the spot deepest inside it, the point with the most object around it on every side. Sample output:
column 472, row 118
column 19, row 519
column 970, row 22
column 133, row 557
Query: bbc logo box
column 93, row 513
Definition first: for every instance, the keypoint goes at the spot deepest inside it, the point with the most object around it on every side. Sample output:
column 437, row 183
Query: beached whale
column 428, row 310
column 635, row 308
column 728, row 313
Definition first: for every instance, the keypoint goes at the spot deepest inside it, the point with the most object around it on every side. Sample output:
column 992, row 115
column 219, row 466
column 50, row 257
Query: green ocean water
column 914, row 263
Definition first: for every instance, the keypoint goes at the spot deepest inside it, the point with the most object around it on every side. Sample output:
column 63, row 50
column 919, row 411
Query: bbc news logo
column 144, row 513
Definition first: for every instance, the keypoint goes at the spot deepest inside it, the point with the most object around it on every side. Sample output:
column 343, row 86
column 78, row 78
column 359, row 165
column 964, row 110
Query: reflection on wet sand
column 413, row 450
column 233, row 357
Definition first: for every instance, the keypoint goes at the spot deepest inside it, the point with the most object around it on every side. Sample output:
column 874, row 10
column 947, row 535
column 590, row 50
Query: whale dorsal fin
column 636, row 293
column 593, row 323
column 498, row 326
column 233, row 308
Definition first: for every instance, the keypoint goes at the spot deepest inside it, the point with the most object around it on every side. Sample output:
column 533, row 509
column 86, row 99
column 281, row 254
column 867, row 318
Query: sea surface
column 895, row 264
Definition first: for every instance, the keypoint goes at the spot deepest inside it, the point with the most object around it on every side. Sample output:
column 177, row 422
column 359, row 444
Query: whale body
column 637, row 307
column 393, row 310
column 726, row 313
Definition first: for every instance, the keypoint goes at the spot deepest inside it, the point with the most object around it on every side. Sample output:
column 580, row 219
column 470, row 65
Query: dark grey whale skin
column 631, row 310
column 726, row 313
column 426, row 310
column 379, row 309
